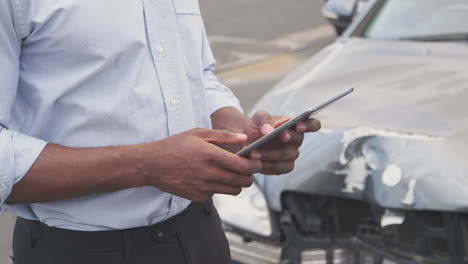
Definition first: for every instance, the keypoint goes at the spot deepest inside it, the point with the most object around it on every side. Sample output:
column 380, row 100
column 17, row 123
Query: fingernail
column 301, row 128
column 267, row 128
column 256, row 155
column 287, row 137
column 241, row 135
column 317, row 125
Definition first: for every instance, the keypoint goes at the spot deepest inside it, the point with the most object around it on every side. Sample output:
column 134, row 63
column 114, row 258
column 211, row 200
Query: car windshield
column 436, row 20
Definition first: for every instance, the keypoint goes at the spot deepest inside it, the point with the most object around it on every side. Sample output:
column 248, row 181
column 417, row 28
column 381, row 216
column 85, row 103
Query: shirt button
column 160, row 49
column 158, row 234
column 173, row 101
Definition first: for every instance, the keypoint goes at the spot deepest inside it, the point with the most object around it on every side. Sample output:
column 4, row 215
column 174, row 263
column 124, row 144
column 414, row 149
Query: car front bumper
column 255, row 252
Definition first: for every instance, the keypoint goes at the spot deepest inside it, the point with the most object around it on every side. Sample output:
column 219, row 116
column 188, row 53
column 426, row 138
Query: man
column 107, row 148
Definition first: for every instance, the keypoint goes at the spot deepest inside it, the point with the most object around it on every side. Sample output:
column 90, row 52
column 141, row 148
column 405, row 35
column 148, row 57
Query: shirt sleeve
column 18, row 151
column 218, row 95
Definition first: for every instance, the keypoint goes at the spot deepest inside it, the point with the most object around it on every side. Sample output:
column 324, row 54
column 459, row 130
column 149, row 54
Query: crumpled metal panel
column 388, row 169
column 399, row 141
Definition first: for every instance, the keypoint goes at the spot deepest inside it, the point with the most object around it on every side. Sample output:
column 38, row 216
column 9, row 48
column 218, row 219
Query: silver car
column 386, row 179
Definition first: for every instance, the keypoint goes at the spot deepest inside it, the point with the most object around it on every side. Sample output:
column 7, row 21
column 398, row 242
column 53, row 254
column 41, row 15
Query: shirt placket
column 162, row 31
column 161, row 27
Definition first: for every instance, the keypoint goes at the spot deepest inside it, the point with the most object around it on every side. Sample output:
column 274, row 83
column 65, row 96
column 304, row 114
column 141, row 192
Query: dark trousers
column 194, row 236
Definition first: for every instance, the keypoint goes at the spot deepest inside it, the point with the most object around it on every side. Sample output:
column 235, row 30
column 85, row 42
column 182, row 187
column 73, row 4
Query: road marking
column 266, row 69
column 292, row 42
column 242, row 58
column 285, row 44
column 234, row 40
column 301, row 39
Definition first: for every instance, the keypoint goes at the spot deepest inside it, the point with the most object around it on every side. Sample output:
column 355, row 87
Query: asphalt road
column 255, row 43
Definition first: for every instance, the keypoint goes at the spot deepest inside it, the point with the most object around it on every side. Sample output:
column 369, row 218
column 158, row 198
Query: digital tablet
column 291, row 123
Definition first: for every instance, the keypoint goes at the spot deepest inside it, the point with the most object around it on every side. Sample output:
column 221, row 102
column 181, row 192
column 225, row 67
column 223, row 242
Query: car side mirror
column 340, row 13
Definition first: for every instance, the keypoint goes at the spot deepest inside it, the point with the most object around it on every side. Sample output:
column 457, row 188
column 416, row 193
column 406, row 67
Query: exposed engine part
column 328, row 223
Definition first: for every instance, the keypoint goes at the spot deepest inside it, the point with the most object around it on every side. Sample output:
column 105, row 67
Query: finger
column 232, row 179
column 277, row 168
column 310, row 125
column 264, row 121
column 285, row 154
column 292, row 138
column 285, row 136
column 226, row 189
column 222, row 137
column 238, row 164
column 279, row 120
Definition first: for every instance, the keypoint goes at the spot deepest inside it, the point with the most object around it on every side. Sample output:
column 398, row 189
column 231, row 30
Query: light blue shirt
column 91, row 73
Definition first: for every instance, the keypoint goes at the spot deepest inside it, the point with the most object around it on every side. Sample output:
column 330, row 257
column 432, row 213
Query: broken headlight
column 248, row 211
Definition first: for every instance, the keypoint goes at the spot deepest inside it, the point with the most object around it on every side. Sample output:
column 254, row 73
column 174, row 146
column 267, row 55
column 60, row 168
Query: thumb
column 279, row 120
column 223, row 137
column 264, row 122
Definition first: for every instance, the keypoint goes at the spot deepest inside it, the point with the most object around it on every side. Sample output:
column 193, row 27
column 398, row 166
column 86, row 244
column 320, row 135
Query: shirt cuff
column 19, row 152
column 218, row 99
column 218, row 95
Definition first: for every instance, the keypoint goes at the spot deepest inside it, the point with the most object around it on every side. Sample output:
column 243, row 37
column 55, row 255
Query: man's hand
column 278, row 156
column 190, row 165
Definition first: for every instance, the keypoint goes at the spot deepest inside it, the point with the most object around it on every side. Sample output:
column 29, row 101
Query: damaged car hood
column 399, row 141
